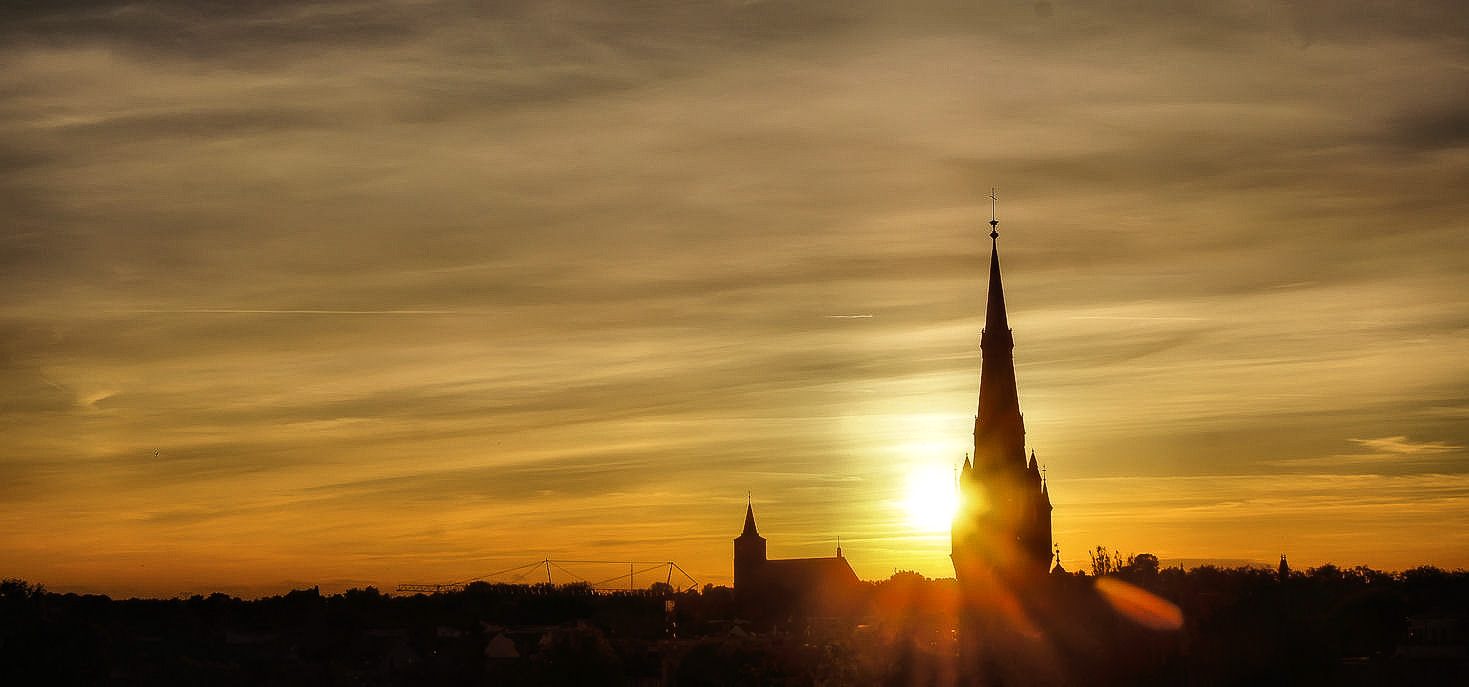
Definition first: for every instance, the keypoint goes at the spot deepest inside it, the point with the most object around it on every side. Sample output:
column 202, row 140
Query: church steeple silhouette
column 749, row 554
column 750, row 530
column 1003, row 527
column 767, row 588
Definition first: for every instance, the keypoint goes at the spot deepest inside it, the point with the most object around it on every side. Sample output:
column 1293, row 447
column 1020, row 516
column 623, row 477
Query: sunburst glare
column 930, row 499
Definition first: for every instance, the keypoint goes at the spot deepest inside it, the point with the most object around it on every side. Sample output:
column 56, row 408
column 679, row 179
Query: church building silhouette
column 1000, row 536
column 766, row 588
column 1003, row 524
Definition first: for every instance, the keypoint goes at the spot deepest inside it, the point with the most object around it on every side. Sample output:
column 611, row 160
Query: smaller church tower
column 767, row 590
column 749, row 554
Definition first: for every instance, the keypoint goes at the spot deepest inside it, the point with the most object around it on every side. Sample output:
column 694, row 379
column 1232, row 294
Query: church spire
column 995, row 323
column 750, row 521
column 999, row 431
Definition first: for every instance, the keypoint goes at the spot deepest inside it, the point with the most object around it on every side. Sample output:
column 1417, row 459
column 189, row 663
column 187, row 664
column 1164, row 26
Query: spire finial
column 994, row 223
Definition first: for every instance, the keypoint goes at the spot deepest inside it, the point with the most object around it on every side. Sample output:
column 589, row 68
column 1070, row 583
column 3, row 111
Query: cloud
column 241, row 311
column 538, row 37
column 1322, row 20
column 24, row 385
column 1402, row 446
column 1445, row 128
column 185, row 29
column 1186, row 517
column 355, row 259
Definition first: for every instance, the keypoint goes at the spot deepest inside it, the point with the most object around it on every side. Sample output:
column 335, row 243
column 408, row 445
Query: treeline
column 1324, row 625
column 361, row 636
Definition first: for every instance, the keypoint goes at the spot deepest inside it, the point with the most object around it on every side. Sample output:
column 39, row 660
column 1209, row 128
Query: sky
column 370, row 292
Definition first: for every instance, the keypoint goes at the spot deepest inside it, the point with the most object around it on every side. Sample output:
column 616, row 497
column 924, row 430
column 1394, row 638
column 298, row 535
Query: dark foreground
column 1241, row 626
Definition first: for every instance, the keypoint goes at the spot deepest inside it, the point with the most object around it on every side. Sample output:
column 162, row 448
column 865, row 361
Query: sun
column 930, row 499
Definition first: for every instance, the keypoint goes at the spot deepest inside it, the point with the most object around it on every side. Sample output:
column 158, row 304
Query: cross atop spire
column 994, row 223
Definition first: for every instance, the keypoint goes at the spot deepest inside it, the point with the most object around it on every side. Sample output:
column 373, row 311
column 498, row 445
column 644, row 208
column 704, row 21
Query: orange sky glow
column 368, row 293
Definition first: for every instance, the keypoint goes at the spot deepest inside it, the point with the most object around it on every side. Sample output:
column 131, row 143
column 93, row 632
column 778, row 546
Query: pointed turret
column 750, row 522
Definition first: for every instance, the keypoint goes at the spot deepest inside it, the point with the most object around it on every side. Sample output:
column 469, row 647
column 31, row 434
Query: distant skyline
column 363, row 293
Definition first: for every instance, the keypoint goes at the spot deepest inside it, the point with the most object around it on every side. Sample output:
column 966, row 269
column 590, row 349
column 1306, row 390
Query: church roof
column 810, row 573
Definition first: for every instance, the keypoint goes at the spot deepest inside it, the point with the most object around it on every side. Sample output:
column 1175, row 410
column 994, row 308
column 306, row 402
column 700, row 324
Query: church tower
column 1002, row 531
column 749, row 555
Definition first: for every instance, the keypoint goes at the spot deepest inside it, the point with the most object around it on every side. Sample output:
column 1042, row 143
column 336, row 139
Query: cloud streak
column 1402, row 445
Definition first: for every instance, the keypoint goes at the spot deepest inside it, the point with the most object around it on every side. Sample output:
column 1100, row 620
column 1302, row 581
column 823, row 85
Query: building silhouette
column 770, row 588
column 1004, row 519
column 1001, row 542
column 1001, row 533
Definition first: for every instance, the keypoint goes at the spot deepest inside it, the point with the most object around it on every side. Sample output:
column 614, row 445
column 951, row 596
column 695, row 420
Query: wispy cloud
column 1401, row 445
column 246, row 311
column 536, row 266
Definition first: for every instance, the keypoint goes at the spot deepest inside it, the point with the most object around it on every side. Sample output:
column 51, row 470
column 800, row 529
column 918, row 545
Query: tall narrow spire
column 999, row 432
column 750, row 521
column 995, row 322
